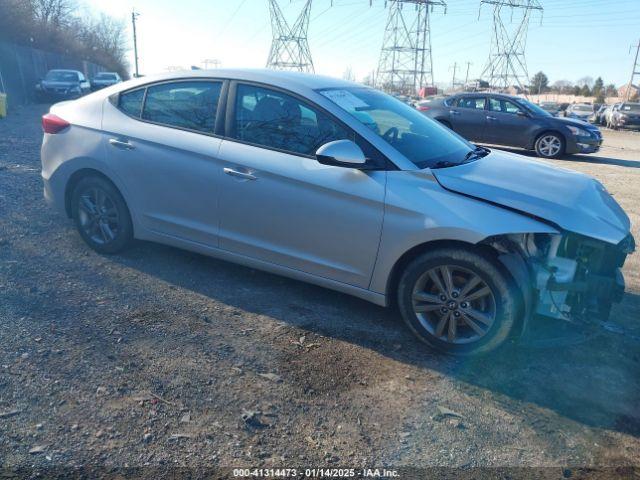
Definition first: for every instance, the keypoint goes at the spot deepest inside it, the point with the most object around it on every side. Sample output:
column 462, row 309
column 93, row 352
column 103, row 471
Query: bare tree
column 348, row 75
column 54, row 25
column 53, row 14
column 585, row 81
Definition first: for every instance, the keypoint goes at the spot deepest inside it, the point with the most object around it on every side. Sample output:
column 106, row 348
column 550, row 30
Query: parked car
column 627, row 115
column 500, row 119
column 60, row 85
column 598, row 116
column 552, row 107
column 340, row 185
column 105, row 79
column 608, row 113
column 580, row 111
column 426, row 104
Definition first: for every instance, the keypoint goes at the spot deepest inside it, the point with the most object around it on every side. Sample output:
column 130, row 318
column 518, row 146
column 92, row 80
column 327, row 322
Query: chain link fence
column 22, row 67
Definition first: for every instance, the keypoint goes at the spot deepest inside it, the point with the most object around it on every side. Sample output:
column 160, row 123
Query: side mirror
column 522, row 113
column 341, row 153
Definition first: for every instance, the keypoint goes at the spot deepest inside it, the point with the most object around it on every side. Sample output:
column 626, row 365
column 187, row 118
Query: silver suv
column 343, row 186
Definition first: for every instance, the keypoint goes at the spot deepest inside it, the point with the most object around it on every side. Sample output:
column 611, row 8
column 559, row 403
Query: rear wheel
column 101, row 215
column 457, row 301
column 549, row 145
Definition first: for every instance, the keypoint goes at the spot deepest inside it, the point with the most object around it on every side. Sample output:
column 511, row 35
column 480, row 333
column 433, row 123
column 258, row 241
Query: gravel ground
column 162, row 357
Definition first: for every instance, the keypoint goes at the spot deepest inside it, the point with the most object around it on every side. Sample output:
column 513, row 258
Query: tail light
column 53, row 124
column 423, row 108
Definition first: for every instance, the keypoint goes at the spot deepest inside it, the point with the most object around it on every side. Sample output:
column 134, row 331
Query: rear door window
column 190, row 105
column 476, row 103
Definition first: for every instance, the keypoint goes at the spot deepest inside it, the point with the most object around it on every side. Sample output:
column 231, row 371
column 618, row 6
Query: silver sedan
column 343, row 186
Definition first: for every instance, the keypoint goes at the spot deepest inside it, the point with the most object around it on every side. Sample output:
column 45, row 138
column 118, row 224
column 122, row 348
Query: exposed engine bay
column 568, row 276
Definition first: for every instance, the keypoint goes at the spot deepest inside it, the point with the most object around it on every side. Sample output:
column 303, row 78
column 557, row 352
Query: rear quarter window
column 131, row 102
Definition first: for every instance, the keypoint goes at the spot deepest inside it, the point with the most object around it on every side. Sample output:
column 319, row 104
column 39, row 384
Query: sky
column 572, row 39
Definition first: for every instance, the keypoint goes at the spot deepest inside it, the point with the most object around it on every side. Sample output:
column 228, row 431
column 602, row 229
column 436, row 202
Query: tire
column 101, row 215
column 550, row 145
column 481, row 324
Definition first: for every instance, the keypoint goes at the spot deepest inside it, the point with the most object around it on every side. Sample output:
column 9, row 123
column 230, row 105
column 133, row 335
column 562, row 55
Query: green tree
column 598, row 90
column 539, row 83
column 585, row 91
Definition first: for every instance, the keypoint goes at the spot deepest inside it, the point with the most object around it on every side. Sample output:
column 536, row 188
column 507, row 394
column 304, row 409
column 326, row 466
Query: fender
column 441, row 216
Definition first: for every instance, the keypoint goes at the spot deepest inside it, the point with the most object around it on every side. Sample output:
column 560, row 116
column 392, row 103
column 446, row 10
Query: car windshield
column 532, row 107
column 630, row 107
column 549, row 106
column 58, row 76
column 423, row 141
column 583, row 108
column 106, row 76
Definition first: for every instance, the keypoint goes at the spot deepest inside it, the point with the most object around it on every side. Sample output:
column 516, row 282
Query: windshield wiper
column 479, row 152
column 444, row 164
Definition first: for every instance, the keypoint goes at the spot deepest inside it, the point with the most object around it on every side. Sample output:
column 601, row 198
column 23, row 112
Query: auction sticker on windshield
column 344, row 99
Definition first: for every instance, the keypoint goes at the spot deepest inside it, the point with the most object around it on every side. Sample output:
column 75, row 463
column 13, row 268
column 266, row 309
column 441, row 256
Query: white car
column 104, row 79
column 343, row 186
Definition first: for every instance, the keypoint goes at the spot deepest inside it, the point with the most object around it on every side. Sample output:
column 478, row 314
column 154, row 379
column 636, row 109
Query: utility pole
column 453, row 80
column 466, row 77
column 406, row 60
column 506, row 65
column 135, row 15
column 634, row 71
column 289, row 45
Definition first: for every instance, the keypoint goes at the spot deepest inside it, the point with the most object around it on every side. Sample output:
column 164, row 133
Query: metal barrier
column 22, row 67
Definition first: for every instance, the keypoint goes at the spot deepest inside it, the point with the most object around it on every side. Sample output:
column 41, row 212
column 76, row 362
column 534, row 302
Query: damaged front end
column 570, row 276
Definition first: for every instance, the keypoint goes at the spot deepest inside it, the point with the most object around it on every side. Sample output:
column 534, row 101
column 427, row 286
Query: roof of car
column 475, row 94
column 285, row 79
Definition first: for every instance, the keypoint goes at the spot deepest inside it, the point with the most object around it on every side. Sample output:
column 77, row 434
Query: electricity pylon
column 289, row 46
column 634, row 73
column 406, row 62
column 506, row 65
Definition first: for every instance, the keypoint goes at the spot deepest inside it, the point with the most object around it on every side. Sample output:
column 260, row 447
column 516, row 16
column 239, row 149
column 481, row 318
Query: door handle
column 453, row 112
column 236, row 173
column 120, row 144
column 490, row 118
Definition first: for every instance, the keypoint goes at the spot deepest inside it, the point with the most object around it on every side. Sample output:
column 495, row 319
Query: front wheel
column 549, row 145
column 457, row 301
column 101, row 215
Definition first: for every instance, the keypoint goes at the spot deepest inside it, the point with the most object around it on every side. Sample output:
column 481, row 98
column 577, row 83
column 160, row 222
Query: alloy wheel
column 549, row 145
column 98, row 216
column 454, row 304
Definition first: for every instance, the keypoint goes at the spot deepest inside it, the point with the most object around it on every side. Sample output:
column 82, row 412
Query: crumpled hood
column 573, row 201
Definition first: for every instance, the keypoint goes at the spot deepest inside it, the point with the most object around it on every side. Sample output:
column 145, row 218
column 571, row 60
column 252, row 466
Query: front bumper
column 629, row 123
column 581, row 144
column 58, row 95
column 100, row 86
column 596, row 280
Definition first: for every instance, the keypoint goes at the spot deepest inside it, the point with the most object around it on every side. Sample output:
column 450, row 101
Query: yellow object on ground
column 3, row 105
